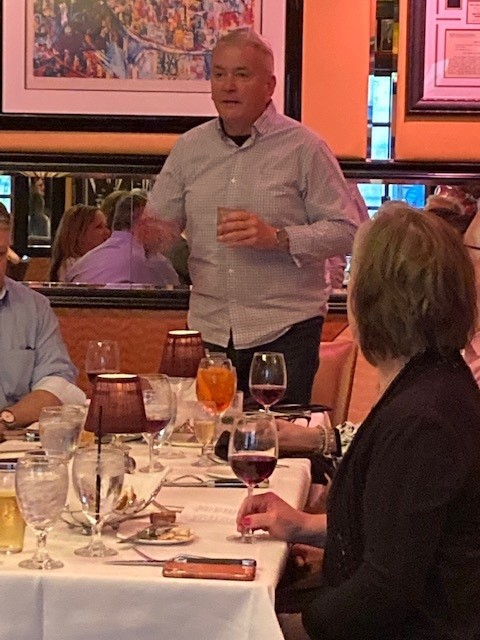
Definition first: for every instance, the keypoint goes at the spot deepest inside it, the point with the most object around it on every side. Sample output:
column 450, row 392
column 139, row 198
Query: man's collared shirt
column 32, row 353
column 287, row 176
column 122, row 259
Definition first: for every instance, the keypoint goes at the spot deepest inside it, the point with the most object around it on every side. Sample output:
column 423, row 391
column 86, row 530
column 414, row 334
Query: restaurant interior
column 349, row 75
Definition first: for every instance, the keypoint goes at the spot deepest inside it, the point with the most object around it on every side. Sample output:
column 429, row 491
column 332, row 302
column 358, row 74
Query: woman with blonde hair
column 82, row 227
column 402, row 550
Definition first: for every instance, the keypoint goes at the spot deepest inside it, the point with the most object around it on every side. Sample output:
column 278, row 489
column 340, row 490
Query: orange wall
column 335, row 73
column 334, row 93
column 417, row 138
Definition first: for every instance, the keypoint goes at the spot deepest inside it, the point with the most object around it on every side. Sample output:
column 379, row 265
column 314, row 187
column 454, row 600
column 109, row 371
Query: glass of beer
column 12, row 524
column 203, row 417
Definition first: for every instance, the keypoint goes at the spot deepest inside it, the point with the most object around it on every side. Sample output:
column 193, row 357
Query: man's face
column 242, row 86
column 4, row 244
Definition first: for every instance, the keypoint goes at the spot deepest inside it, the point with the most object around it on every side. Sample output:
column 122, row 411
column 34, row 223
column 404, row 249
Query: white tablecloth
column 89, row 600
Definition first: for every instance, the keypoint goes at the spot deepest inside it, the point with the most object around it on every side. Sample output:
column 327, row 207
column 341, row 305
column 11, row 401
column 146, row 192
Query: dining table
column 90, row 599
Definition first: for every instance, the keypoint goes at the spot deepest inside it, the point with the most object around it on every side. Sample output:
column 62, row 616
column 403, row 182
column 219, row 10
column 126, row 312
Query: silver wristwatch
column 8, row 420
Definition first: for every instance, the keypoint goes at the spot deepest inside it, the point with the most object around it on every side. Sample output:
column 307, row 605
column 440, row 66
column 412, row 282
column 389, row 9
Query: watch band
column 8, row 420
column 281, row 236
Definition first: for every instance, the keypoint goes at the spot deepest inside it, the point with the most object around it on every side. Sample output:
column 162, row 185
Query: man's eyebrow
column 220, row 67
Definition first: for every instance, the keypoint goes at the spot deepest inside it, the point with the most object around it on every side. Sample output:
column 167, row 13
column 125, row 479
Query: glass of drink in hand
column 98, row 480
column 159, row 409
column 268, row 378
column 103, row 356
column 41, row 483
column 204, row 421
column 252, row 454
column 12, row 524
column 216, row 381
column 60, row 428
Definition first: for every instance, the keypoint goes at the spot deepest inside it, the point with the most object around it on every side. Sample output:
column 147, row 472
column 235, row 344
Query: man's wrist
column 8, row 421
column 282, row 239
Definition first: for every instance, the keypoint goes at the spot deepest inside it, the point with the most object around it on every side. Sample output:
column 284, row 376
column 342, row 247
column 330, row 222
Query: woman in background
column 82, row 227
column 402, row 552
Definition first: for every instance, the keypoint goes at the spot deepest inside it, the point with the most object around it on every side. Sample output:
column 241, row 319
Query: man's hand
column 240, row 228
column 154, row 234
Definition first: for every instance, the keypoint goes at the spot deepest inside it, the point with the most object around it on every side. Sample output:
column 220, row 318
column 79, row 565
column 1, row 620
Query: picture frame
column 70, row 106
column 440, row 79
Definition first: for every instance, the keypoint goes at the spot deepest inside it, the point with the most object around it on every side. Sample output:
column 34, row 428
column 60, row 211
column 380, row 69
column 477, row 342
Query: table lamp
column 116, row 405
column 182, row 354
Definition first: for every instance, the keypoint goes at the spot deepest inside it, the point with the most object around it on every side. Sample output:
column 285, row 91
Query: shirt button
column 230, row 271
column 233, row 180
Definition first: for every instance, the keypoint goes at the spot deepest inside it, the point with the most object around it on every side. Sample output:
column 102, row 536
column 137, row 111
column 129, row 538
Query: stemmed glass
column 41, row 484
column 268, row 378
column 103, row 356
column 252, row 454
column 216, row 381
column 203, row 416
column 97, row 479
column 158, row 400
column 60, row 428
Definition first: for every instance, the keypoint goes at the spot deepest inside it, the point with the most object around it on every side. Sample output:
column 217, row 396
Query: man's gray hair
column 128, row 210
column 5, row 217
column 246, row 36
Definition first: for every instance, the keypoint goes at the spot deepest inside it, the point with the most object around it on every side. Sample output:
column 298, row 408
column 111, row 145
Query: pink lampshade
column 117, row 402
column 182, row 353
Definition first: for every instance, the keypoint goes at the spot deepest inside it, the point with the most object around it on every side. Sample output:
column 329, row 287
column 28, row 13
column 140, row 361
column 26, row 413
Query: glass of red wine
column 252, row 454
column 159, row 409
column 268, row 378
column 103, row 356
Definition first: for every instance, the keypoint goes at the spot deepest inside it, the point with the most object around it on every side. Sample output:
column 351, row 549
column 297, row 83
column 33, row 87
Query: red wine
column 252, row 469
column 267, row 394
column 157, row 425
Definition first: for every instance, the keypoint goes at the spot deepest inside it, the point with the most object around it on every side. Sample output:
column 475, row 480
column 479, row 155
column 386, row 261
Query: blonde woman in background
column 82, row 228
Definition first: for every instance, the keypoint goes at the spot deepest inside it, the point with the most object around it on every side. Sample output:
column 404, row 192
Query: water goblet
column 41, row 484
column 252, row 454
column 158, row 400
column 60, row 428
column 103, row 356
column 97, row 476
column 268, row 378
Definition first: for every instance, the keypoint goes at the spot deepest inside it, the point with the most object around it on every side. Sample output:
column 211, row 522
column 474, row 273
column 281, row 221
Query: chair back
column 333, row 382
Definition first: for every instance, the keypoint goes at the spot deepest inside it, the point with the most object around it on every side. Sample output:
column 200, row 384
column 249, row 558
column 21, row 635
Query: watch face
column 7, row 417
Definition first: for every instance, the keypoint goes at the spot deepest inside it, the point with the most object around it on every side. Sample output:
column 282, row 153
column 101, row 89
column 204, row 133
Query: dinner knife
column 136, row 563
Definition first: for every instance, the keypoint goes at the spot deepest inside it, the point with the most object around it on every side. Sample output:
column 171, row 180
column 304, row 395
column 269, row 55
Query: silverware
column 139, row 535
column 137, row 563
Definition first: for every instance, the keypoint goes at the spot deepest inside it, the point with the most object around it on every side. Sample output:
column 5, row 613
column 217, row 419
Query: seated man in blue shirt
column 35, row 368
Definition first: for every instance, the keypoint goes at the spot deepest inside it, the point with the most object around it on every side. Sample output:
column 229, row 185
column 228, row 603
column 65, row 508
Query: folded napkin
column 208, row 512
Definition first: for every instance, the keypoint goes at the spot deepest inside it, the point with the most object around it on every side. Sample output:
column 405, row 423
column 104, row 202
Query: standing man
column 258, row 275
column 35, row 369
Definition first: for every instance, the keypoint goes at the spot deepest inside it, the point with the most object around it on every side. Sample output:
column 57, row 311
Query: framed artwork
column 131, row 65
column 443, row 65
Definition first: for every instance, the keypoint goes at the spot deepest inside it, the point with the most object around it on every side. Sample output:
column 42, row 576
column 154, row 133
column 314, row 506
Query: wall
column 336, row 40
column 417, row 138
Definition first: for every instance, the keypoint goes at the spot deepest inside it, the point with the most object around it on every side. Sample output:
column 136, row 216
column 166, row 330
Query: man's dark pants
column 299, row 345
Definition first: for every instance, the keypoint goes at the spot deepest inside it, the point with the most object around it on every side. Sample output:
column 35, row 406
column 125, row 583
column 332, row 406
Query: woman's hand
column 307, row 557
column 270, row 513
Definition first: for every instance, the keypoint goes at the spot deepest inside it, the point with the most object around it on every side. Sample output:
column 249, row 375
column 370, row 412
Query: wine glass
column 158, row 400
column 103, row 356
column 203, row 417
column 216, row 381
column 41, row 484
column 97, row 479
column 252, row 454
column 60, row 428
column 268, row 378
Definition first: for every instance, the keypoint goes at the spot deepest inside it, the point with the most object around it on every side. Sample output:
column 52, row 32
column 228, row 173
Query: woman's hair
column 70, row 232
column 413, row 286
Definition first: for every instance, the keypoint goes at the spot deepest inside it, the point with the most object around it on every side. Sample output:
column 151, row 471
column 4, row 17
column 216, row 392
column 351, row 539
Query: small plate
column 159, row 543
column 184, row 440
column 220, row 472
